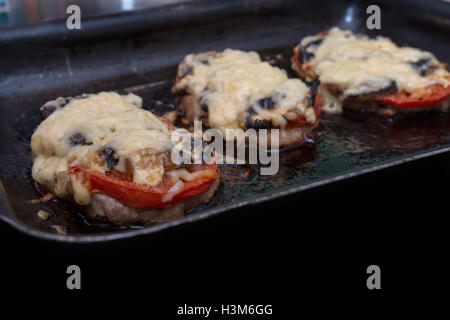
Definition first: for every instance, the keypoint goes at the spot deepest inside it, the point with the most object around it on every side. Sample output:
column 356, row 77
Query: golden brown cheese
column 232, row 81
column 103, row 120
column 361, row 65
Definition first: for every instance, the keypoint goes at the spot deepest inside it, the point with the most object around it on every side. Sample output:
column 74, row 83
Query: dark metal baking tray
column 139, row 51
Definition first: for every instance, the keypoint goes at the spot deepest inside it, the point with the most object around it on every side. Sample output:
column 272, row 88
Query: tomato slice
column 167, row 121
column 141, row 196
column 318, row 106
column 432, row 95
column 301, row 121
column 296, row 60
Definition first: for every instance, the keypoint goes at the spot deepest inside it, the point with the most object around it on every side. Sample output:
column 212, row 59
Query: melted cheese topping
column 103, row 120
column 232, row 81
column 358, row 65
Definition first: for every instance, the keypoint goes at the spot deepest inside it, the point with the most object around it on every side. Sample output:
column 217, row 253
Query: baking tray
column 138, row 52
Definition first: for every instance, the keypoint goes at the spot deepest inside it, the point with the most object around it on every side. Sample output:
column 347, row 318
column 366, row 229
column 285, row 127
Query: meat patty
column 105, row 154
column 102, row 206
column 121, row 214
column 373, row 75
column 235, row 89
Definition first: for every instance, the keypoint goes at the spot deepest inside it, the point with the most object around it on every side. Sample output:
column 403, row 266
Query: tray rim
column 210, row 212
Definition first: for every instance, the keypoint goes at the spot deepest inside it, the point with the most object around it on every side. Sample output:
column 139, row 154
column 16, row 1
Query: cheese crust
column 350, row 65
column 234, row 89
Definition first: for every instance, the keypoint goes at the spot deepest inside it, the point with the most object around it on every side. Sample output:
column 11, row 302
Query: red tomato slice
column 432, row 95
column 296, row 60
column 167, row 121
column 318, row 106
column 300, row 121
column 141, row 196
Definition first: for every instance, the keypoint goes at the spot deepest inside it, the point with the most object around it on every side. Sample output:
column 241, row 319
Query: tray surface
column 145, row 63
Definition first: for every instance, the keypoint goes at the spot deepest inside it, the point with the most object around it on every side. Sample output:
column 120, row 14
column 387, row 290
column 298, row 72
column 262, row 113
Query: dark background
column 313, row 246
